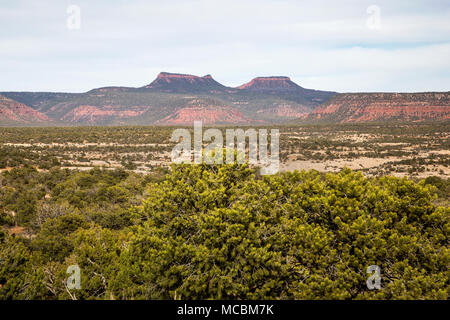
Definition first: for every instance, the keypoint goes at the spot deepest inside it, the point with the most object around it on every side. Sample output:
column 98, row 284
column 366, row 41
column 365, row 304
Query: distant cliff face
column 209, row 112
column 361, row 107
column 13, row 111
column 286, row 111
column 174, row 98
column 208, row 115
column 105, row 114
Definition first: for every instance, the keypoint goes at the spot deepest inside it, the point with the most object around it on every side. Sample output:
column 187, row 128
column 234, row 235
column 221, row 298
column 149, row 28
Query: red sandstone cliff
column 361, row 107
column 207, row 112
column 13, row 111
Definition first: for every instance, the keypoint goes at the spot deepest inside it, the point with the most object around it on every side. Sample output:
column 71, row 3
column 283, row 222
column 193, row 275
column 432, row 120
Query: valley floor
column 411, row 150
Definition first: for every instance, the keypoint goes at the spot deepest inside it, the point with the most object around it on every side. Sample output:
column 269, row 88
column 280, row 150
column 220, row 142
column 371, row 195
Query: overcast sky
column 345, row 45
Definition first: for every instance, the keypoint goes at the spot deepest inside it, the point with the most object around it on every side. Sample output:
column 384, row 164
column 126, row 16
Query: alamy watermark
column 374, row 281
column 74, row 280
column 258, row 149
column 73, row 21
column 374, row 20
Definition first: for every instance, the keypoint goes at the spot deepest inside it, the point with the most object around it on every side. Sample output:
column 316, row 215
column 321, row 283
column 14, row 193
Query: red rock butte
column 270, row 83
column 165, row 78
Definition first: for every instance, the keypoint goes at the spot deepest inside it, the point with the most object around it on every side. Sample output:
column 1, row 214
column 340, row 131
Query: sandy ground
column 335, row 165
column 359, row 164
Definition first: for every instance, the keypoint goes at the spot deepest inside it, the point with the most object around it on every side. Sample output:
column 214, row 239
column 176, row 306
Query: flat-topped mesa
column 168, row 75
column 177, row 82
column 270, row 83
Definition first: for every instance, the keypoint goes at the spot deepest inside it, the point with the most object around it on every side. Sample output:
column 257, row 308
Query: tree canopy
column 224, row 232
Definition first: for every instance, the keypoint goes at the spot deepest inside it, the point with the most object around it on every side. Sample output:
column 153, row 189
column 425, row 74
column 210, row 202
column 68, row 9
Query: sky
column 344, row 46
